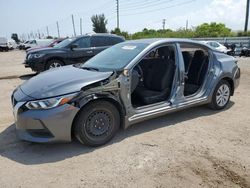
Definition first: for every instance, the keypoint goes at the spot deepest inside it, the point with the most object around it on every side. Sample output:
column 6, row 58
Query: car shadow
column 27, row 76
column 28, row 153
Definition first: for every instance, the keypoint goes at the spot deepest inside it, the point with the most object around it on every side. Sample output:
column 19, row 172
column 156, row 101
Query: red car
column 50, row 45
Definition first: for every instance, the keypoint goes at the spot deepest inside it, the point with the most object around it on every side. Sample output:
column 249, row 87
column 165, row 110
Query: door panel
column 83, row 52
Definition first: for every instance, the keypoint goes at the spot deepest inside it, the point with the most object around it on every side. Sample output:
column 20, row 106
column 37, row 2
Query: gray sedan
column 125, row 84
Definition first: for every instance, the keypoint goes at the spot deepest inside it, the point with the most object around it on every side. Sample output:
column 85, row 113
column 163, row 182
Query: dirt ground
column 197, row 147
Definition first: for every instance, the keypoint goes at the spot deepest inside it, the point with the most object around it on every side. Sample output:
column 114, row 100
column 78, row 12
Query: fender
column 227, row 77
column 103, row 90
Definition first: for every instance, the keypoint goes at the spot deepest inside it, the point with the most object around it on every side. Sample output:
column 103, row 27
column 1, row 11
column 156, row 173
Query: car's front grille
column 42, row 133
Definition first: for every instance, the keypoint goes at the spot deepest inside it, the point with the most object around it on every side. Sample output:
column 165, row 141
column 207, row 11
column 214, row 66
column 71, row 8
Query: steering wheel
column 139, row 70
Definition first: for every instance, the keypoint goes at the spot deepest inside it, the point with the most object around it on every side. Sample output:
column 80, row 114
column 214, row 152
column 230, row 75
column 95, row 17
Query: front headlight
column 50, row 102
column 31, row 56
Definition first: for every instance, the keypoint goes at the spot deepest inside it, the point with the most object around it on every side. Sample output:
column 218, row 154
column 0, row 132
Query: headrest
column 164, row 52
column 199, row 53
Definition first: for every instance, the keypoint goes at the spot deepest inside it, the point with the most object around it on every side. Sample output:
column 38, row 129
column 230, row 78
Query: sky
column 31, row 16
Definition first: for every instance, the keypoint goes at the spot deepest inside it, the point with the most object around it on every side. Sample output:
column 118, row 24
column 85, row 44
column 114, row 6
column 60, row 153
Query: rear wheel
column 54, row 63
column 97, row 123
column 221, row 95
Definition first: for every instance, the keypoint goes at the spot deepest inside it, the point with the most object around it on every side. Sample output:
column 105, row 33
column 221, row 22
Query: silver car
column 125, row 84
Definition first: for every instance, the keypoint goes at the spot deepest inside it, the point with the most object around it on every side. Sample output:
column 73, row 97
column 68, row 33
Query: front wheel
column 97, row 123
column 54, row 63
column 221, row 95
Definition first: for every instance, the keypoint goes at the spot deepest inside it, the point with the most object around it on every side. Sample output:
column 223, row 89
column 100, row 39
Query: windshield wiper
column 90, row 68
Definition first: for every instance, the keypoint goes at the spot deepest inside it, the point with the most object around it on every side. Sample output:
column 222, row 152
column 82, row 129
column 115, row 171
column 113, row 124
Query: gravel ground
column 191, row 148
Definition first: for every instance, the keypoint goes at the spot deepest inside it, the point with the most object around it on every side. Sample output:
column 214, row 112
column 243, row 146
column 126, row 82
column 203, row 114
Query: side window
column 216, row 45
column 210, row 44
column 83, row 42
column 98, row 41
column 33, row 42
column 192, row 52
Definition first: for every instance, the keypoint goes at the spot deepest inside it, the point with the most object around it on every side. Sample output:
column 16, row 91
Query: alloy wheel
column 54, row 65
column 222, row 95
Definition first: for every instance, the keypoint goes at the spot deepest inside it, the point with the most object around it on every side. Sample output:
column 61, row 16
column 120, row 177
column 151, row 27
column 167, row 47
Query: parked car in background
column 12, row 44
column 3, row 44
column 21, row 45
column 50, row 45
column 216, row 45
column 37, row 43
column 125, row 84
column 245, row 52
column 70, row 51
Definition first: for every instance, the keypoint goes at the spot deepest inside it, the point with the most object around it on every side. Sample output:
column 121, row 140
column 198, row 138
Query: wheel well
column 231, row 83
column 112, row 101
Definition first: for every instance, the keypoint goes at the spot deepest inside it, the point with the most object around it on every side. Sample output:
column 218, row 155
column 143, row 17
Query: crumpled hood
column 61, row 81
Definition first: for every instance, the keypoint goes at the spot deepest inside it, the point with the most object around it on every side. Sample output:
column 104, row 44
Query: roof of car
column 99, row 34
column 164, row 40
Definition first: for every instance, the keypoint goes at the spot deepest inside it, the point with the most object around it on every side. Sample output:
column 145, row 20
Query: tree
column 212, row 30
column 99, row 23
column 14, row 36
column 117, row 31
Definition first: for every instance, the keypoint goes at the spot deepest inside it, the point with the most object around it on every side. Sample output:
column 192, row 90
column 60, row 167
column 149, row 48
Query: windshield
column 64, row 43
column 115, row 57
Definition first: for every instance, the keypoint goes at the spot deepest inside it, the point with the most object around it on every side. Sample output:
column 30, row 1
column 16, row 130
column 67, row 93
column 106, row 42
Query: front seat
column 158, row 82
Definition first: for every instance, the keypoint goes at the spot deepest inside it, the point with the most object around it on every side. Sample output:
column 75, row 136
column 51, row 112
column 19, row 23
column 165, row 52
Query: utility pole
column 58, row 32
column 117, row 13
column 163, row 23
column 73, row 23
column 39, row 36
column 47, row 28
column 81, row 26
column 186, row 25
column 247, row 16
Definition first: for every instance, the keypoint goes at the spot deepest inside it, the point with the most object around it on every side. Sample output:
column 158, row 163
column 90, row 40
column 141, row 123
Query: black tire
column 225, row 96
column 97, row 123
column 50, row 63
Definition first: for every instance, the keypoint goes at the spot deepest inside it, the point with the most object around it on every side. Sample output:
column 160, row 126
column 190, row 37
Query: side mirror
column 126, row 72
column 72, row 46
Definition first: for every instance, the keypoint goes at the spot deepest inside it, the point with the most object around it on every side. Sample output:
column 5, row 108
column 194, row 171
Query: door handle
column 89, row 52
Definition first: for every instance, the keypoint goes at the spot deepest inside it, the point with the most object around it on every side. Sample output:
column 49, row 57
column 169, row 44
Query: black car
column 70, row 51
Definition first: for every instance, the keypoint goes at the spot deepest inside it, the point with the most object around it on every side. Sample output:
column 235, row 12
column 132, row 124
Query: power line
column 134, row 3
column 159, row 9
column 144, row 5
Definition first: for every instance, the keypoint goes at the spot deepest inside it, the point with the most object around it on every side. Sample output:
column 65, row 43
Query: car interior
column 153, row 76
column 196, row 61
